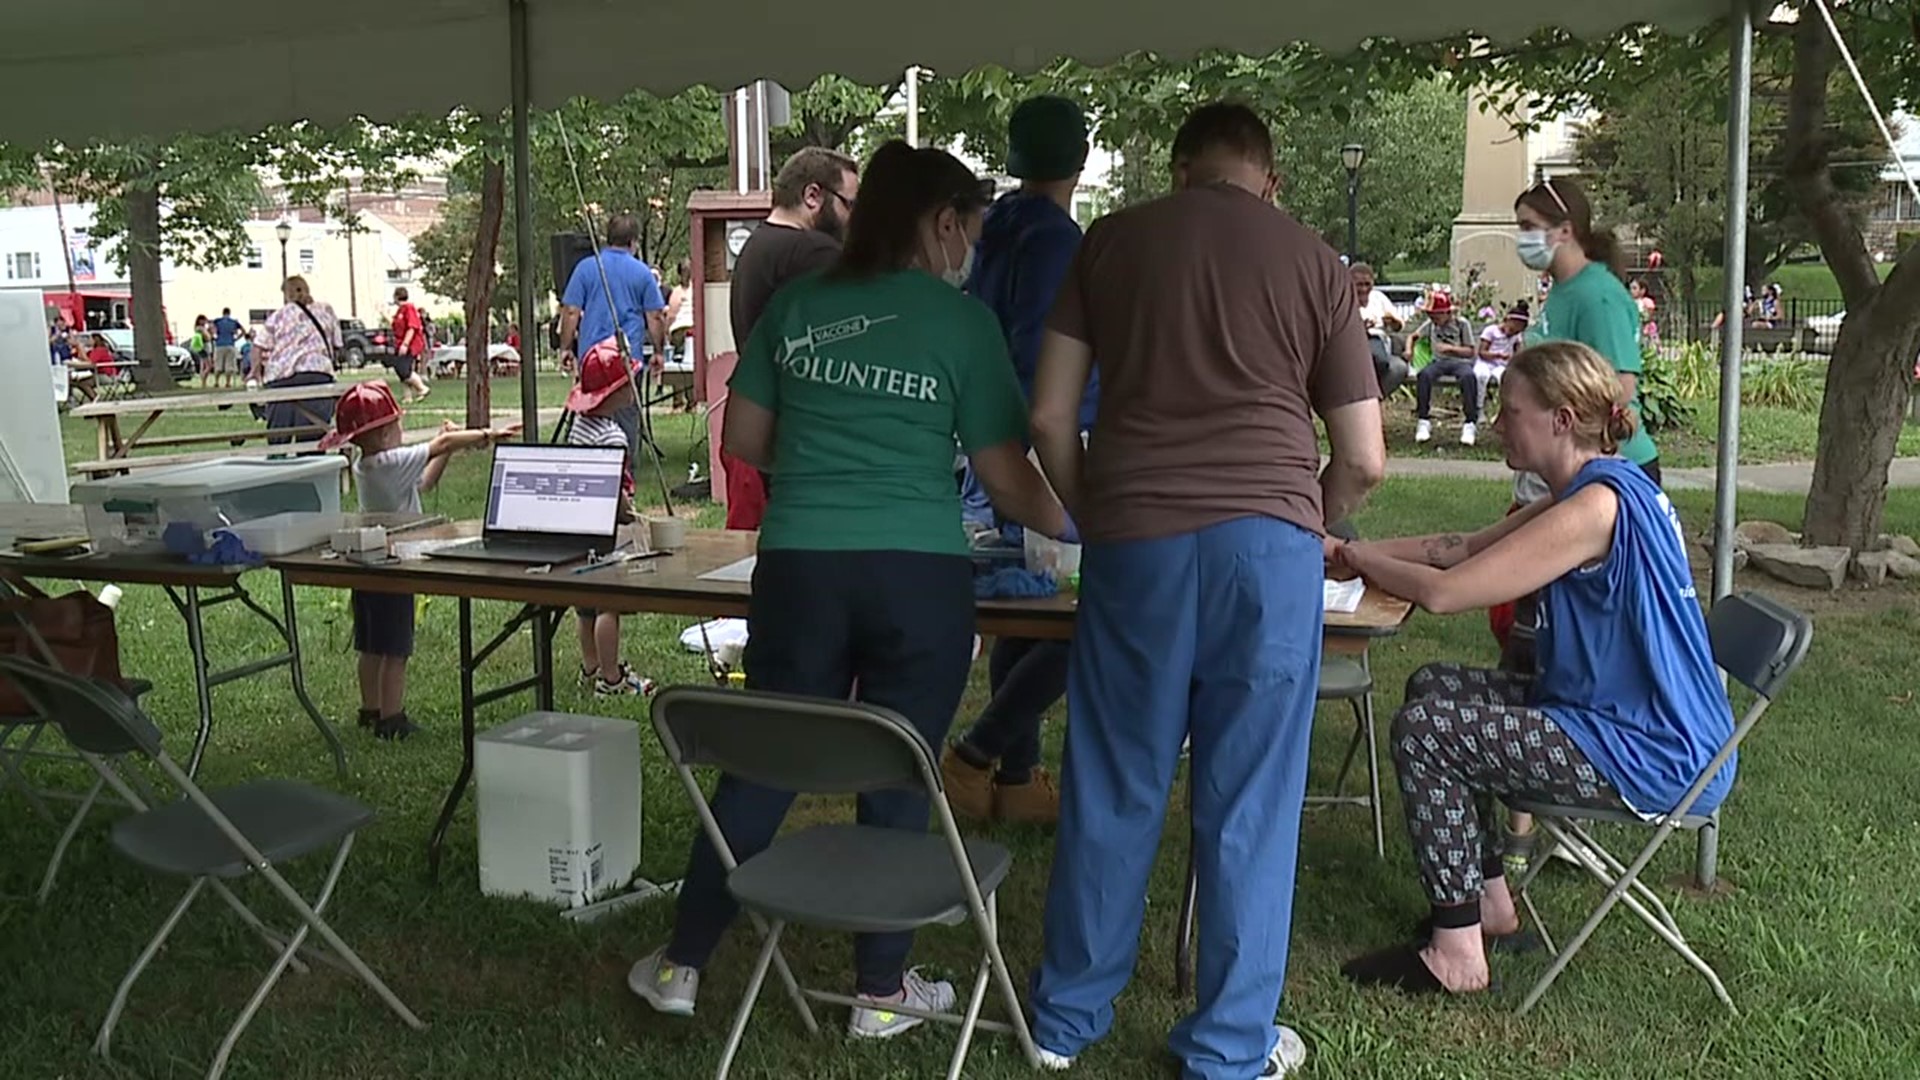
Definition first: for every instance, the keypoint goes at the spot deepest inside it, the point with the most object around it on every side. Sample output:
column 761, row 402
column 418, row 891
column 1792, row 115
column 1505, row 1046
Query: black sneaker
column 395, row 727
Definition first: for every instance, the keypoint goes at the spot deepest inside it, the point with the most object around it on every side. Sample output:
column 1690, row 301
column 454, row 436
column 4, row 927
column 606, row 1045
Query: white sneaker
column 670, row 988
column 629, row 684
column 879, row 1022
column 1467, row 434
column 1423, row 431
column 1053, row 1061
column 1287, row 1055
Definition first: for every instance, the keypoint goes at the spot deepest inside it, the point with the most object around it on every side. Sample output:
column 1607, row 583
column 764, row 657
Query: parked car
column 360, row 343
column 1823, row 330
column 179, row 360
column 1404, row 298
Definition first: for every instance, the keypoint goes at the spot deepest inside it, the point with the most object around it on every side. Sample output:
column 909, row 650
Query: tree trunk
column 480, row 281
column 1871, row 369
column 1869, row 378
column 143, row 279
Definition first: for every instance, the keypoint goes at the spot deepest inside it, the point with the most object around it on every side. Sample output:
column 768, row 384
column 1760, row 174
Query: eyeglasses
column 844, row 201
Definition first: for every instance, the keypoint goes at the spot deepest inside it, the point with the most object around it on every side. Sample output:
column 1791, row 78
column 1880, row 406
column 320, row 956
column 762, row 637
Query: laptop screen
column 554, row 490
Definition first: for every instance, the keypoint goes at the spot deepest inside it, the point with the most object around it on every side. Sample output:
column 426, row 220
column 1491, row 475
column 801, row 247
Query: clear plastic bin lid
column 211, row 478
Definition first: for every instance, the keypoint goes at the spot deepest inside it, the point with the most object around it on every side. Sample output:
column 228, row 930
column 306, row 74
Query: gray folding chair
column 908, row 880
column 208, row 837
column 19, row 746
column 1758, row 643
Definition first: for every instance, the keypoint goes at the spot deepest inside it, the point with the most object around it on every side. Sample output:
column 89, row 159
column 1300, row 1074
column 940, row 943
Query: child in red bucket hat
column 602, row 392
column 389, row 478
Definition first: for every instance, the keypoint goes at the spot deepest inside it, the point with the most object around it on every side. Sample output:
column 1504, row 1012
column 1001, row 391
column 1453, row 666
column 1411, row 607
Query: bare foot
column 1458, row 960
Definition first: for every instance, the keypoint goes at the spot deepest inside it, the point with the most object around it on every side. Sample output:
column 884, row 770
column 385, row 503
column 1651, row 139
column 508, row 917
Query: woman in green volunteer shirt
column 1589, row 301
column 852, row 391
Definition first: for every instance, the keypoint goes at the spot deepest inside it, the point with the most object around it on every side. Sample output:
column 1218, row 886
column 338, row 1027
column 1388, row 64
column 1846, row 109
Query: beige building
column 355, row 274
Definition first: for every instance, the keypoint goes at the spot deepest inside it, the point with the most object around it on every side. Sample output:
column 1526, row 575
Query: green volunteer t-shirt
column 870, row 382
column 1593, row 308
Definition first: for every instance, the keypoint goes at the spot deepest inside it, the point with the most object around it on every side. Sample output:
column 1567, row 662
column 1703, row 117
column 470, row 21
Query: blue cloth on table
column 1014, row 583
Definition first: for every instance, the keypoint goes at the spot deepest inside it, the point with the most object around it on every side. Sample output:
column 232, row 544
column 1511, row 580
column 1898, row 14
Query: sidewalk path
column 1783, row 478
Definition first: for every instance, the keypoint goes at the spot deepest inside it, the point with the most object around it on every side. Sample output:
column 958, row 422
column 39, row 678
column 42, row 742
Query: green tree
column 326, row 167
column 1314, row 103
column 1871, row 371
column 183, row 200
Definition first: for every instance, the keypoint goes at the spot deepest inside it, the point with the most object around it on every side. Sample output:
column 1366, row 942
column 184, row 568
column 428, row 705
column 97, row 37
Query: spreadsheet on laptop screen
column 567, row 490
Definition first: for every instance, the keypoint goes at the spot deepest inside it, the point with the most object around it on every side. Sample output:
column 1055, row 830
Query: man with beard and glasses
column 812, row 196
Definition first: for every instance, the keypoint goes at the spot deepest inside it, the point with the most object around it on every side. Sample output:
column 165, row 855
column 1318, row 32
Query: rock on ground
column 1808, row 567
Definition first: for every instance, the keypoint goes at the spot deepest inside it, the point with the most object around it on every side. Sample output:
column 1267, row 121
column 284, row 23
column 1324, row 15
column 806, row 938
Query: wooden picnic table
column 118, row 450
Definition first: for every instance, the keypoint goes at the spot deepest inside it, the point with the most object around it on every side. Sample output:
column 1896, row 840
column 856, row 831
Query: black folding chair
column 1758, row 643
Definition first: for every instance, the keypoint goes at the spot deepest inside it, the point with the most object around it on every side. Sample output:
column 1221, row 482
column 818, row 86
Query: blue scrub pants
column 1213, row 635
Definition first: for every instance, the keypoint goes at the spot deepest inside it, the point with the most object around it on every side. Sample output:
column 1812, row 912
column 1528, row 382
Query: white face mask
column 956, row 276
column 1536, row 251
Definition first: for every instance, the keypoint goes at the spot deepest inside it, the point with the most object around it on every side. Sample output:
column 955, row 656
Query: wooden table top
column 183, row 402
column 126, row 569
column 672, row 585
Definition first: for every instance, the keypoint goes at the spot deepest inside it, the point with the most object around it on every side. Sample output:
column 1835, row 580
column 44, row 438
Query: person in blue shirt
column 1627, row 708
column 587, row 317
column 226, row 348
column 1027, row 242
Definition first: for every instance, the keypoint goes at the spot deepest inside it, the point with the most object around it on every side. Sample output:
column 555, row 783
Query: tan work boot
column 1036, row 802
column 969, row 790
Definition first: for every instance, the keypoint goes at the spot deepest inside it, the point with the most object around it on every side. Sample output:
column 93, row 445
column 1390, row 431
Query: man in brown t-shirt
column 1220, row 327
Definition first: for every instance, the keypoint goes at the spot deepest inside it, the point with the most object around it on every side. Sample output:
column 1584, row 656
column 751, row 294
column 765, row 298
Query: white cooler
column 559, row 807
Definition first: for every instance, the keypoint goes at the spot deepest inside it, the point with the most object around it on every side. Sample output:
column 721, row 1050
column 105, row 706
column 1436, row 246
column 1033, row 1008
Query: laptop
column 548, row 504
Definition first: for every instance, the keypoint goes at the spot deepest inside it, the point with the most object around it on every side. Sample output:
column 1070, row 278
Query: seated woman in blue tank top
column 1627, row 708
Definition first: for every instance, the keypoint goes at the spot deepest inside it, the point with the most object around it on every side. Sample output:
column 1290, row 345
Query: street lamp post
column 1353, row 155
column 285, row 232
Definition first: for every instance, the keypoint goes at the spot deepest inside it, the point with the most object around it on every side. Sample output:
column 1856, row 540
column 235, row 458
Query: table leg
column 202, row 684
column 297, row 668
column 437, row 842
column 544, row 628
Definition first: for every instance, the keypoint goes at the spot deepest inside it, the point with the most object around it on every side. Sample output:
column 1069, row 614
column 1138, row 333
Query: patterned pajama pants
column 1465, row 737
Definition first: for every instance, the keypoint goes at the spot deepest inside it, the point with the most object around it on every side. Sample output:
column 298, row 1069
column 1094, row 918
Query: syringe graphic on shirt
column 801, row 358
column 817, row 336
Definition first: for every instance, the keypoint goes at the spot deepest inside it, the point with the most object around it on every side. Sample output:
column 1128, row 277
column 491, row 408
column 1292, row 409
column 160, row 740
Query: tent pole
column 1739, row 133
column 1732, row 334
column 523, row 270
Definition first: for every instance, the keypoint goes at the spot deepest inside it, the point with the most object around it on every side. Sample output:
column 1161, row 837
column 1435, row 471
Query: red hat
column 362, row 408
column 1441, row 303
column 602, row 374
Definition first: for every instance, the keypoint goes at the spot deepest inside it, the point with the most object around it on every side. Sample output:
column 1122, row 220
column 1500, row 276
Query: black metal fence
column 1795, row 324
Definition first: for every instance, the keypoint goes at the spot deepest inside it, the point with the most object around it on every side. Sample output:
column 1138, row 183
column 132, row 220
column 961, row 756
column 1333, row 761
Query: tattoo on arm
column 1443, row 551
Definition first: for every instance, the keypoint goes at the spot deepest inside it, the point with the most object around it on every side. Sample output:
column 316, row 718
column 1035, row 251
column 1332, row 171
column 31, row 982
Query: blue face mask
column 1536, row 251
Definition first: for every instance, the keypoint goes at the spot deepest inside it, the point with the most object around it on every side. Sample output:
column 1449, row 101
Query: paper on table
column 741, row 571
column 1342, row 597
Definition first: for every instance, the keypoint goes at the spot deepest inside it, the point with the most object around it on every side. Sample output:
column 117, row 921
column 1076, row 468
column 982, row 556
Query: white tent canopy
column 114, row 68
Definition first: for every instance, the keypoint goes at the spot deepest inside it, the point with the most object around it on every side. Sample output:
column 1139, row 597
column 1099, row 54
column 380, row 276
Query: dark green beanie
column 1046, row 139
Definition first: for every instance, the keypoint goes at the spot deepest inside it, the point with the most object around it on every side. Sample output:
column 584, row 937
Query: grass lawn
column 1820, row 942
column 1767, row 435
